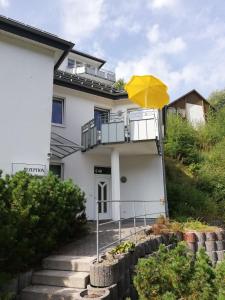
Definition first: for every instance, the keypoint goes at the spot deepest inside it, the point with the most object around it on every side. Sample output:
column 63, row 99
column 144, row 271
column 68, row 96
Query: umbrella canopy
column 147, row 91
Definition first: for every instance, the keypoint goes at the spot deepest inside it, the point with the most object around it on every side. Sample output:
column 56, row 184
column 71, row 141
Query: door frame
column 97, row 179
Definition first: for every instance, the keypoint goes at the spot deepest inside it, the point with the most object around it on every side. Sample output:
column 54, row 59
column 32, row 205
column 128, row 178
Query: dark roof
column 102, row 61
column 37, row 35
column 187, row 94
column 80, row 83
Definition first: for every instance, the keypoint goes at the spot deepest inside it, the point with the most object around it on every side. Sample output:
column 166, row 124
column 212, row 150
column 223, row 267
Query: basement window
column 56, row 169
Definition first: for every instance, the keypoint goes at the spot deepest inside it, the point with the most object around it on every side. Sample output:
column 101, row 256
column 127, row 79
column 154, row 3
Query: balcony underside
column 149, row 147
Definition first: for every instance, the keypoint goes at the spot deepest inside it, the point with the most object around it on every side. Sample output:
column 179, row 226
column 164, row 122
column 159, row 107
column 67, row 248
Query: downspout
column 163, row 160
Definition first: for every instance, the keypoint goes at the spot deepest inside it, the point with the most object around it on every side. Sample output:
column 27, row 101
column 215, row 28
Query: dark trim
column 90, row 90
column 62, row 57
column 37, row 35
column 102, row 61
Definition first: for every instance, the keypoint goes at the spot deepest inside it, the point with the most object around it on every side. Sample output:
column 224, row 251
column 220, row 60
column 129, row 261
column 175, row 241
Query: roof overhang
column 85, row 85
column 187, row 94
column 90, row 58
column 60, row 46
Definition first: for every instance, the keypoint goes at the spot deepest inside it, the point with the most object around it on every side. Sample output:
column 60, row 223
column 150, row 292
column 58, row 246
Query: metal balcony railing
column 137, row 125
column 102, row 73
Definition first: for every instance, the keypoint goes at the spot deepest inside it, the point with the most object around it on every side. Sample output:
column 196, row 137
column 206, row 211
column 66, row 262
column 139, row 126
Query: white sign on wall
column 33, row 169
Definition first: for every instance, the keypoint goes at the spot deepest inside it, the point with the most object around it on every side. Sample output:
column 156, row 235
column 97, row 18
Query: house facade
column 191, row 106
column 61, row 112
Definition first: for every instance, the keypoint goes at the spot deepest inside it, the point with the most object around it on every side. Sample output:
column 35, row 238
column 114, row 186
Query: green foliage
column 167, row 272
column 7, row 296
column 217, row 99
column 173, row 275
column 123, row 248
column 220, row 279
column 36, row 215
column 196, row 175
column 213, row 131
column 202, row 285
column 119, row 84
column 185, row 199
column 181, row 142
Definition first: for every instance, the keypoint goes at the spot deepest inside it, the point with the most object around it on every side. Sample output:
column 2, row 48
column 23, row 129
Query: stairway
column 62, row 278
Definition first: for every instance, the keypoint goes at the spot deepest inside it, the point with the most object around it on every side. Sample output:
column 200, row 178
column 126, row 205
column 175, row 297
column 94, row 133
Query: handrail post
column 145, row 215
column 97, row 231
column 120, row 226
column 134, row 222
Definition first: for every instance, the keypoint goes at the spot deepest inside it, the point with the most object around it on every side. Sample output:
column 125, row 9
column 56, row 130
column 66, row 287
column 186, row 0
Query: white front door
column 102, row 194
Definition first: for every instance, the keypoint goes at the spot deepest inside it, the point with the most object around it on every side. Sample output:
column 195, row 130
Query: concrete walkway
column 66, row 273
column 109, row 233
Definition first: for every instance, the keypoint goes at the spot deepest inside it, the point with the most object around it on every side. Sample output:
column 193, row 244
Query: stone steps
column 67, row 263
column 43, row 292
column 61, row 278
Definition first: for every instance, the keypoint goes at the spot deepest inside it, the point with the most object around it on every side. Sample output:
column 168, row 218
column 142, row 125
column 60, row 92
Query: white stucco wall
column 144, row 175
column 144, row 172
column 26, row 100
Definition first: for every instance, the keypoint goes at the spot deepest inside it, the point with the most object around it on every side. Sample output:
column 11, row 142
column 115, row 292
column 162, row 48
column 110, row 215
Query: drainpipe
column 163, row 160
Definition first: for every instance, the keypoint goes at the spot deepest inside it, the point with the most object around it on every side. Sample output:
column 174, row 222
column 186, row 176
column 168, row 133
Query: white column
column 115, row 174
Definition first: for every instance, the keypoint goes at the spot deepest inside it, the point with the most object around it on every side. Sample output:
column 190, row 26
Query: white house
column 59, row 111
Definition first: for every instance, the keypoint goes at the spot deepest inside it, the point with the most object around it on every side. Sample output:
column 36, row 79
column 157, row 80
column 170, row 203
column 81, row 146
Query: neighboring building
column 56, row 114
column 192, row 106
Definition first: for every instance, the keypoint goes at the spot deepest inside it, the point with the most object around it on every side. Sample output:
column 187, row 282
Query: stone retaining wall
column 122, row 287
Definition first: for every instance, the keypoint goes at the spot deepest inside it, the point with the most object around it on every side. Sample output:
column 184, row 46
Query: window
column 57, row 169
column 70, row 63
column 57, row 111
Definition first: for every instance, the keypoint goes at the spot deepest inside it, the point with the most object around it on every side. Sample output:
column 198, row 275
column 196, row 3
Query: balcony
column 134, row 126
column 105, row 75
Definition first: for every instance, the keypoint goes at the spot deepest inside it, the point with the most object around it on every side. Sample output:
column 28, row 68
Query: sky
column 180, row 41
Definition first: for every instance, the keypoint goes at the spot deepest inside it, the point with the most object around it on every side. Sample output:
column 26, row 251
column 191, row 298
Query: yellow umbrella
column 147, row 91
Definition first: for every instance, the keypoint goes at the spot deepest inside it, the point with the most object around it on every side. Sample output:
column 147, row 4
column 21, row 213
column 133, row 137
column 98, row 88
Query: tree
column 217, row 99
column 119, row 84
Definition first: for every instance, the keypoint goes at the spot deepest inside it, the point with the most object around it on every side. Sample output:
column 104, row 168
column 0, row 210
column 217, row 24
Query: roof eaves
column 185, row 95
column 35, row 34
column 89, row 86
column 102, row 61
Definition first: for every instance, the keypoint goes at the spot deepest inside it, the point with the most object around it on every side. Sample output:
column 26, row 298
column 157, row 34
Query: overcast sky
column 180, row 41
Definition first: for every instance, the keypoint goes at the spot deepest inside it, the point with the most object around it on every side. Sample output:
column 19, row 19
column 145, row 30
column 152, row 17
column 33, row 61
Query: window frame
column 63, row 100
column 68, row 64
column 54, row 163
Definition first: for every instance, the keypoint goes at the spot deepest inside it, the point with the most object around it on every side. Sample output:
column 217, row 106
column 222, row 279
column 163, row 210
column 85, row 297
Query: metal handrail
column 109, row 118
column 120, row 221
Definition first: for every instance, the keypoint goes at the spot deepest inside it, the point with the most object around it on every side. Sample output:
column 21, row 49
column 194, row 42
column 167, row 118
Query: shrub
column 164, row 276
column 220, row 280
column 181, row 141
column 173, row 275
column 36, row 215
column 185, row 199
column 202, row 284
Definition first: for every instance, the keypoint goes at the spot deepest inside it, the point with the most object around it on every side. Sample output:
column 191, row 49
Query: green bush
column 36, row 215
column 185, row 199
column 173, row 275
column 164, row 276
column 181, row 141
column 220, row 280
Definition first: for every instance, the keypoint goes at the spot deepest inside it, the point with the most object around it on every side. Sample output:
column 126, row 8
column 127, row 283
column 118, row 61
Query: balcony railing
column 138, row 125
column 102, row 73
